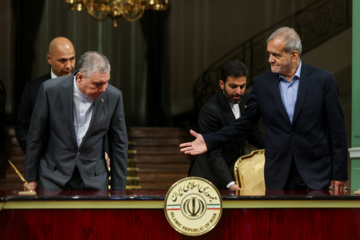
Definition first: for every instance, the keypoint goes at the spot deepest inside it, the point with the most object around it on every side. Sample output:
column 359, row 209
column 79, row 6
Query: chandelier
column 131, row 10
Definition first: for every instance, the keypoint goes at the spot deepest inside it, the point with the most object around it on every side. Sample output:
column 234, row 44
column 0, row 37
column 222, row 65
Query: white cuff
column 230, row 184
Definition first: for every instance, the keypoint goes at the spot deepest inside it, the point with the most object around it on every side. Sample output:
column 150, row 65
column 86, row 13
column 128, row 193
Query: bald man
column 61, row 58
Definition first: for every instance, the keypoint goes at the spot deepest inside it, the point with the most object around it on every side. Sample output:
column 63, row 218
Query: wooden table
column 140, row 215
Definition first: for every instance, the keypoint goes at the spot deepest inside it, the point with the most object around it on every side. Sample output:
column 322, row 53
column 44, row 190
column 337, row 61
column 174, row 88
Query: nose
column 68, row 65
column 242, row 90
column 271, row 59
column 103, row 88
column 238, row 90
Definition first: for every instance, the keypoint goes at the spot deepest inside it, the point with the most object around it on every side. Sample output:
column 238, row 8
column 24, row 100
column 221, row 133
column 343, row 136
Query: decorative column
column 355, row 121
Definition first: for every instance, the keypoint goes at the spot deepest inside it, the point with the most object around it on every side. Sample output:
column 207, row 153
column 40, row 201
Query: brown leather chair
column 249, row 172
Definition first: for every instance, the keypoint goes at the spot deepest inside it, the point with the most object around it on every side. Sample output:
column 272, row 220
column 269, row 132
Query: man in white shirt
column 76, row 113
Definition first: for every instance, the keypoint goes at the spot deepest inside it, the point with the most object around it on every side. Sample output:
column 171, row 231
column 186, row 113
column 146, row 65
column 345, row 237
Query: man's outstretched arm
column 196, row 147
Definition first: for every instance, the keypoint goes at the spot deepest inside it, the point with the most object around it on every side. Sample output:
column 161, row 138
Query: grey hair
column 92, row 62
column 291, row 38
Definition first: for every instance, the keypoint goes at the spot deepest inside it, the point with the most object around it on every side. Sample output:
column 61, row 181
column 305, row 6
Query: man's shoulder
column 213, row 102
column 245, row 97
column 113, row 90
column 43, row 78
column 265, row 76
column 59, row 81
column 38, row 81
column 310, row 69
column 112, row 93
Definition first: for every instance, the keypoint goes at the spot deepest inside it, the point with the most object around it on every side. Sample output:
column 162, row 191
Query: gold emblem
column 193, row 206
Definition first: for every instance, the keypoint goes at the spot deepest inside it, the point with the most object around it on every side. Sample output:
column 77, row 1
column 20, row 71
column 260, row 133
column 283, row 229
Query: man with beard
column 299, row 104
column 225, row 106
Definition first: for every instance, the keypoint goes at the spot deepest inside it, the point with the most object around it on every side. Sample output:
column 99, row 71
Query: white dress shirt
column 83, row 109
column 236, row 109
column 52, row 74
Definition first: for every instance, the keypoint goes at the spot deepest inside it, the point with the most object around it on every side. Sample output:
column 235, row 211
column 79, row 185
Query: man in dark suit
column 61, row 58
column 75, row 113
column 224, row 107
column 305, row 138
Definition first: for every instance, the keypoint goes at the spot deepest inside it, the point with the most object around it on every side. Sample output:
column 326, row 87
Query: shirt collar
column 52, row 74
column 82, row 95
column 297, row 73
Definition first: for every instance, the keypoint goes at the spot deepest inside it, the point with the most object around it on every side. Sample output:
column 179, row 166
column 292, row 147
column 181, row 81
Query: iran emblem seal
column 193, row 206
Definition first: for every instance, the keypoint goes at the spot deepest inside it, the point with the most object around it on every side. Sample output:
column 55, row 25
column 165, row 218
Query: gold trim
column 126, row 204
column 132, row 169
column 250, row 155
column 238, row 178
column 133, row 187
column 292, row 204
column 159, row 204
column 132, row 178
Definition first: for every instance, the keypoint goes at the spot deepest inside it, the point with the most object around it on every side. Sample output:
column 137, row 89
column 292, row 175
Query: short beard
column 234, row 101
column 231, row 100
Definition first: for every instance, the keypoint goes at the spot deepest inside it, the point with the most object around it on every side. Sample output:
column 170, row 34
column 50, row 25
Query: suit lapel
column 98, row 105
column 242, row 106
column 67, row 100
column 275, row 89
column 304, row 84
column 226, row 109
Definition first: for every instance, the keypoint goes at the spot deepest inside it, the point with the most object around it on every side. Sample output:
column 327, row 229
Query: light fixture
column 131, row 10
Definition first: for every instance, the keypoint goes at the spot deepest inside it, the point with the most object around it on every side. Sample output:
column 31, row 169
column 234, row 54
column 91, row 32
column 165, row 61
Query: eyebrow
column 96, row 82
column 65, row 59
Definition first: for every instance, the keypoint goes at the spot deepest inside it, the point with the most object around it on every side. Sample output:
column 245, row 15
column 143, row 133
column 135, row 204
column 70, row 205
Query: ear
column 48, row 57
column 294, row 56
column 79, row 77
column 222, row 84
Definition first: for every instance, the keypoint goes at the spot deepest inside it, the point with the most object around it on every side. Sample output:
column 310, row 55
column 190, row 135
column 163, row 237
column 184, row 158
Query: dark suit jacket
column 52, row 162
column 217, row 166
column 315, row 141
column 26, row 108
